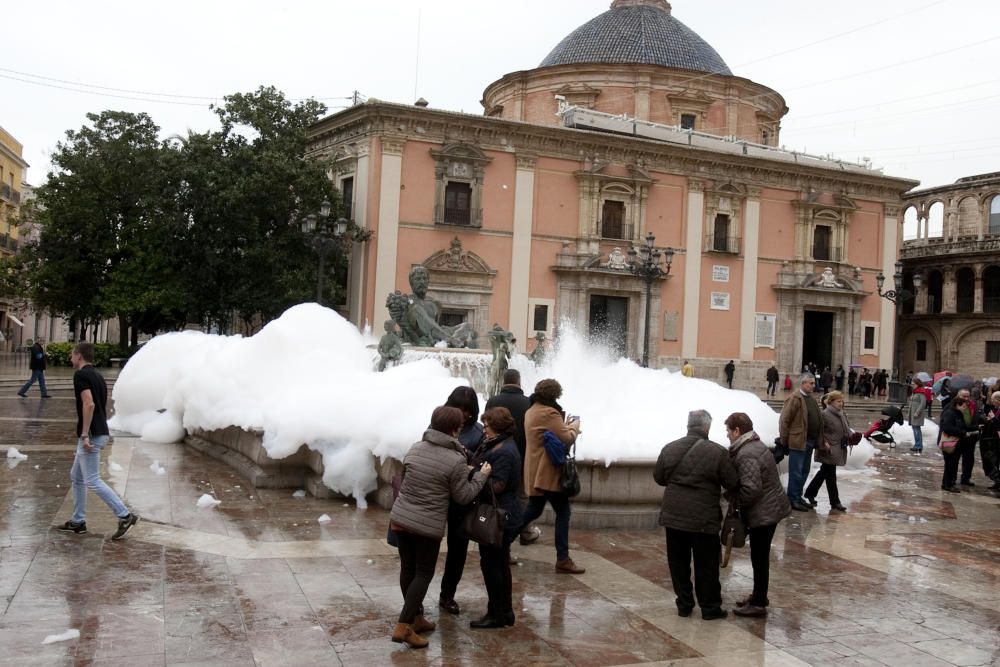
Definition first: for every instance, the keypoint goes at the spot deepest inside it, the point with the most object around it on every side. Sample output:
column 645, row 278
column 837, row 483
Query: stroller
column 879, row 431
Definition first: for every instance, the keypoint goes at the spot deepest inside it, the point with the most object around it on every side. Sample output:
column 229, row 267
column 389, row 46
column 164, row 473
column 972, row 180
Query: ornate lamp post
column 898, row 296
column 644, row 262
column 325, row 235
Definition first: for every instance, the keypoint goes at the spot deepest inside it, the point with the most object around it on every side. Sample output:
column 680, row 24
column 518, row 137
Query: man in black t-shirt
column 91, row 393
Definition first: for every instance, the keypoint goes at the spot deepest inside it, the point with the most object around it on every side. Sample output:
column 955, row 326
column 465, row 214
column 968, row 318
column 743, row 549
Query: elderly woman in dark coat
column 831, row 451
column 435, row 471
column 762, row 501
column 500, row 450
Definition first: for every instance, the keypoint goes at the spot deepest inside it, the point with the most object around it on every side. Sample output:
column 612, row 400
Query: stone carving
column 538, row 354
column 417, row 315
column 502, row 345
column 826, row 280
column 616, row 260
column 390, row 347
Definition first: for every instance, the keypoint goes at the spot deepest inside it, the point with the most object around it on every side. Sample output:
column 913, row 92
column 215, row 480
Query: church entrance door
column 609, row 322
column 817, row 339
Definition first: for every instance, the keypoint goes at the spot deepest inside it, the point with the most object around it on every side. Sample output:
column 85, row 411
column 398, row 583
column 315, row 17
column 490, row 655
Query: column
column 978, row 298
column 887, row 314
column 920, row 306
column 520, row 260
column 692, row 268
column 358, row 267
column 748, row 299
column 387, row 230
column 949, row 292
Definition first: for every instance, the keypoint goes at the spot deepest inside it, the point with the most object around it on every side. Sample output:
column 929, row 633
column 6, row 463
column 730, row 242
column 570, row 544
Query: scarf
column 749, row 436
column 535, row 398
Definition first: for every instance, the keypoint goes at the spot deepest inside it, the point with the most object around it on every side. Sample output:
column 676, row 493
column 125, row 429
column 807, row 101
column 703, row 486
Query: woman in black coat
column 500, row 451
column 953, row 425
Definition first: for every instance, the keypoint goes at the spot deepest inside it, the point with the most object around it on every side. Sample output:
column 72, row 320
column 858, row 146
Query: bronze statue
column 417, row 315
column 502, row 344
column 390, row 347
column 538, row 354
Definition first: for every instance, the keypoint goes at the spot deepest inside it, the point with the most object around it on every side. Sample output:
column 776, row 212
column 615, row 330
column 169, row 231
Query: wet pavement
column 908, row 576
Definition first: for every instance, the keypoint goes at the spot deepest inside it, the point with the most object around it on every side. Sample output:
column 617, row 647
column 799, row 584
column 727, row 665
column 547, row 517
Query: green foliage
column 58, row 353
column 192, row 229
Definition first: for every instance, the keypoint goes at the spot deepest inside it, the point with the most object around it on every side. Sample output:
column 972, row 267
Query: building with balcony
column 952, row 238
column 12, row 175
column 632, row 125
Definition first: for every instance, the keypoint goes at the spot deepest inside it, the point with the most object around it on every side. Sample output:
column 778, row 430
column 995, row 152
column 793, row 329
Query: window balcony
column 827, row 254
column 725, row 244
column 617, row 230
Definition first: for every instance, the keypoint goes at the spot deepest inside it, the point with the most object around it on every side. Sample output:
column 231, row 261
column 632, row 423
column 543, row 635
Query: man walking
column 799, row 426
column 512, row 397
column 91, row 394
column 772, row 380
column 967, row 446
column 730, row 370
column 693, row 469
column 36, row 364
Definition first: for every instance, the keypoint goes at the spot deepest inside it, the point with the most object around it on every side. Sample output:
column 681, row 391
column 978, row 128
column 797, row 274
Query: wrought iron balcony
column 724, row 244
column 822, row 253
column 612, row 229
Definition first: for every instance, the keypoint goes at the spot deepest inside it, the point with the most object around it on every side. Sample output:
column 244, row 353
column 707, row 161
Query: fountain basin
column 622, row 495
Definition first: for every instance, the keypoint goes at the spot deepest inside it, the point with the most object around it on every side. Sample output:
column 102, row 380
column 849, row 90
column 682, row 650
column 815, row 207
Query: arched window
column 968, row 217
column 935, row 285
column 965, row 280
column 994, row 227
column 935, row 220
column 911, row 226
column 991, row 289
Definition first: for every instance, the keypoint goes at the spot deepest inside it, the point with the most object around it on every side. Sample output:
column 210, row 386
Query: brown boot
column 404, row 634
column 421, row 624
column 568, row 567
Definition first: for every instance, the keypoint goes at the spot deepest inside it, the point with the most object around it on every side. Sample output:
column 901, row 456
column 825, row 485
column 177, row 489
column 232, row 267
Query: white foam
column 207, row 500
column 62, row 636
column 13, row 453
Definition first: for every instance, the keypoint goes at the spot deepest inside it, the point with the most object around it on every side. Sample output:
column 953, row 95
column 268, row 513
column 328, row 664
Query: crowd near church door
column 817, row 339
column 609, row 322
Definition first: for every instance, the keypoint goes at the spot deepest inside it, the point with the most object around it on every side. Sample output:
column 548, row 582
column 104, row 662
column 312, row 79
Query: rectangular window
column 613, row 220
column 821, row 243
column 869, row 342
column 451, row 318
column 457, row 202
column 993, row 351
column 721, row 240
column 921, row 350
column 688, row 121
column 540, row 318
column 347, row 195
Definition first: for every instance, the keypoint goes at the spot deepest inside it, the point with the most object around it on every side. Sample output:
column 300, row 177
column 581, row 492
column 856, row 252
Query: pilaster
column 692, row 268
column 387, row 230
column 520, row 262
column 887, row 313
column 751, row 249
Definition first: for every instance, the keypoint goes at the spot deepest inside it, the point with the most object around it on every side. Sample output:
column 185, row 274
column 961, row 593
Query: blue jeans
column 86, row 474
column 918, row 438
column 36, row 376
column 560, row 505
column 799, row 462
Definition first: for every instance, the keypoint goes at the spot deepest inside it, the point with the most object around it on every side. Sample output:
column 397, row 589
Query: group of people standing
column 457, row 461
column 867, row 384
column 964, row 422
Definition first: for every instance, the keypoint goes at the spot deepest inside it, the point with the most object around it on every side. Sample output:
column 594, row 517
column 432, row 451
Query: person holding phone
column 541, row 476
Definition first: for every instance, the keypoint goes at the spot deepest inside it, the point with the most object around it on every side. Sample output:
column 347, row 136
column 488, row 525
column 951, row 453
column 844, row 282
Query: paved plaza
column 908, row 576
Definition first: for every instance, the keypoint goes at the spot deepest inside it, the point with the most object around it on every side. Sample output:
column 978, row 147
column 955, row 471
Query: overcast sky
column 911, row 84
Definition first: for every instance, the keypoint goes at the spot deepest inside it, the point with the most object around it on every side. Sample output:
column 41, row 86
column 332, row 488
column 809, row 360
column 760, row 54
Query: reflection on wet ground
column 907, row 576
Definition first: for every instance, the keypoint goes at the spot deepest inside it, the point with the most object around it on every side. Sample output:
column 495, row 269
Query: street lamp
column 324, row 236
column 644, row 263
column 898, row 296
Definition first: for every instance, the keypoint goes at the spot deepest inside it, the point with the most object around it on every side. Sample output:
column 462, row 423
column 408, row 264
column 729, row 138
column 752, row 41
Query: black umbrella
column 961, row 382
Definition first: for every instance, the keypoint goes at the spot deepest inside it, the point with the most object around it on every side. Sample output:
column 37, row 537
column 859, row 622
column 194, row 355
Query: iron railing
column 725, row 244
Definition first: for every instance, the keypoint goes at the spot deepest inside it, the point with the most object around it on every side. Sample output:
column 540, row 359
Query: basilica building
column 632, row 127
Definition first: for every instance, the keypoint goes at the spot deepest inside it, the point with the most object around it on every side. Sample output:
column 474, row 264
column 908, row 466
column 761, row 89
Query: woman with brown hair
column 762, row 501
column 831, row 451
column 541, row 476
column 435, row 471
column 499, row 450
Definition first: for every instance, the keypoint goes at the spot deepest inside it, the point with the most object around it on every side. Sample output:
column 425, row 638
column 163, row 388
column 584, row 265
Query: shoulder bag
column 734, row 532
column 570, row 478
column 485, row 522
column 948, row 443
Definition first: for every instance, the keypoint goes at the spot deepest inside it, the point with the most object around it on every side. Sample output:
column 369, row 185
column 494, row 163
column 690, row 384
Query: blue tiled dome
column 636, row 32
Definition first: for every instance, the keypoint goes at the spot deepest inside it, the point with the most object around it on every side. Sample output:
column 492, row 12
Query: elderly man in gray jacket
column 694, row 470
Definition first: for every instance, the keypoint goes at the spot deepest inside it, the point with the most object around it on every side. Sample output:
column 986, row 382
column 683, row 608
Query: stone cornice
column 948, row 251
column 376, row 118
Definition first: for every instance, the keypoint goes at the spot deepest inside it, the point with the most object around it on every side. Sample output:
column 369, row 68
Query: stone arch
column 991, row 289
column 911, row 223
column 968, row 217
column 965, row 289
column 935, row 219
column 993, row 211
column 908, row 349
column 966, row 332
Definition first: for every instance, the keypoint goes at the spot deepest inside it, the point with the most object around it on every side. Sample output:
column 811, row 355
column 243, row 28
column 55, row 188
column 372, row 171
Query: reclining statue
column 417, row 316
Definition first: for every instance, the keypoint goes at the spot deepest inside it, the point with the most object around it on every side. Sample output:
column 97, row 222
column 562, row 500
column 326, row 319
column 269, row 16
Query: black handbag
column 734, row 532
column 485, row 522
column 570, row 478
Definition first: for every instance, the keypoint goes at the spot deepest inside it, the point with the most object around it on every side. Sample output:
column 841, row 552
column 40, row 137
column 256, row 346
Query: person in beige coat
column 435, row 471
column 831, row 451
column 541, row 477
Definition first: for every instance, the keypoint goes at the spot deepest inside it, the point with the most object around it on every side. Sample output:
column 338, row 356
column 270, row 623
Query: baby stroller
column 879, row 431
